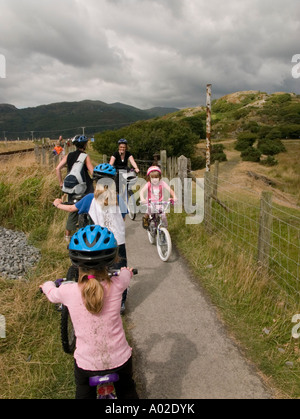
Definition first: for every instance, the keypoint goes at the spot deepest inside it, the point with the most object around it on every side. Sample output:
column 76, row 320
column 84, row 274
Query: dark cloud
column 145, row 52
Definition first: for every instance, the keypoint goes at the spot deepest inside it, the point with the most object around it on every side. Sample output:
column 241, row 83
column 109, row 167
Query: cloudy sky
column 145, row 53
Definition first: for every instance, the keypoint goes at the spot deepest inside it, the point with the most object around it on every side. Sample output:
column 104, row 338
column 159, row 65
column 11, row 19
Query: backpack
column 73, row 182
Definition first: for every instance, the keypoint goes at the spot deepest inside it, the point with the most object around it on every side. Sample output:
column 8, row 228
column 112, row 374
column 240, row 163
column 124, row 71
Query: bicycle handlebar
column 58, row 282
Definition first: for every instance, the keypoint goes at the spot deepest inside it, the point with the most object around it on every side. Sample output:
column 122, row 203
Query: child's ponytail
column 92, row 289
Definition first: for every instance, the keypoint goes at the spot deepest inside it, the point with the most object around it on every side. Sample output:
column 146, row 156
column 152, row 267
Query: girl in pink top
column 154, row 190
column 94, row 307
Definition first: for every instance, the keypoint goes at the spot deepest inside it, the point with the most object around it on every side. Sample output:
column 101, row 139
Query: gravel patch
column 16, row 255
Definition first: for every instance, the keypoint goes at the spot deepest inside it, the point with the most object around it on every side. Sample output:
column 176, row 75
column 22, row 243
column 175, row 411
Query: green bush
column 245, row 140
column 270, row 147
column 269, row 161
column 251, row 154
column 147, row 138
column 198, row 162
column 217, row 153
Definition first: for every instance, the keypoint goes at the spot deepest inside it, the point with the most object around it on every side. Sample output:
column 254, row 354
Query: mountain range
column 70, row 118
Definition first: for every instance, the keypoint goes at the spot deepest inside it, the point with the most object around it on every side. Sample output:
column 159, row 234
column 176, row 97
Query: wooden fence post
column 163, row 162
column 265, row 224
column 182, row 173
column 207, row 201
column 37, row 154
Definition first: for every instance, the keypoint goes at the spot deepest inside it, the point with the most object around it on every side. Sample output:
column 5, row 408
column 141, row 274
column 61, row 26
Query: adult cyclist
column 121, row 158
column 80, row 142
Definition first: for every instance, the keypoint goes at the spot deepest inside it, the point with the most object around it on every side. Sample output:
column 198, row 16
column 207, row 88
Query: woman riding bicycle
column 120, row 159
column 94, row 307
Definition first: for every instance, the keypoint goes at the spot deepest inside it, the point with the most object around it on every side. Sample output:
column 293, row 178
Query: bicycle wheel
column 164, row 244
column 151, row 233
column 131, row 205
column 72, row 274
column 68, row 338
column 67, row 333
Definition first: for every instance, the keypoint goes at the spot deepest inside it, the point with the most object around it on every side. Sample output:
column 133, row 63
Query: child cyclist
column 154, row 190
column 94, row 307
column 104, row 208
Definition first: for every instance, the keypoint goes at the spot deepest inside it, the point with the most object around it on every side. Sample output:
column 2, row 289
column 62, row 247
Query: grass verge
column 248, row 303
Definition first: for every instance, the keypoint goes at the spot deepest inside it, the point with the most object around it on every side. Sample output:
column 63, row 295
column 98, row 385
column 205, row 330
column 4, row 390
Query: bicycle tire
column 151, row 233
column 131, row 205
column 68, row 338
column 164, row 244
column 72, row 274
column 67, row 333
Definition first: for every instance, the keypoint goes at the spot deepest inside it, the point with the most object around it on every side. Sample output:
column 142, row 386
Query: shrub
column 245, row 140
column 270, row 147
column 251, row 154
column 198, row 162
column 217, row 153
column 269, row 161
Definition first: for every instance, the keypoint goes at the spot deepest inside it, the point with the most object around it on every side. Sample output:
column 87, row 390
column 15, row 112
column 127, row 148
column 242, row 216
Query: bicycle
column 130, row 179
column 68, row 338
column 158, row 228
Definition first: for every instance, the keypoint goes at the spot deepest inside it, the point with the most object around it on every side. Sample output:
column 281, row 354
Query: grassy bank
column 32, row 363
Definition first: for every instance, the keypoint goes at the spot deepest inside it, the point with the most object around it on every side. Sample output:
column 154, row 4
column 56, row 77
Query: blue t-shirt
column 84, row 204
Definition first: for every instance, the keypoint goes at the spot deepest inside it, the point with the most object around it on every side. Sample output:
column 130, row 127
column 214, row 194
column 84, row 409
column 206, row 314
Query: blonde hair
column 92, row 290
column 105, row 195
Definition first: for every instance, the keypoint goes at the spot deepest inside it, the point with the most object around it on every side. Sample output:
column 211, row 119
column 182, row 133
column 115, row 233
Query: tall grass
column 32, row 363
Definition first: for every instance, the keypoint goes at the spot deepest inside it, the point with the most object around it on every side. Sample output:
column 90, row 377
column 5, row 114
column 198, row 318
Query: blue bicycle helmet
column 79, row 140
column 93, row 247
column 104, row 170
column 122, row 141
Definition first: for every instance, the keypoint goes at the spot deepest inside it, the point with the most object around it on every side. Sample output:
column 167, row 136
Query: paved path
column 181, row 349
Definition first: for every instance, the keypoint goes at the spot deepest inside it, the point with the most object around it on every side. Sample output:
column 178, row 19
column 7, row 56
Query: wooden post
column 208, row 126
column 207, row 201
column 43, row 155
column 265, row 225
column 37, row 154
column 163, row 162
column 182, row 172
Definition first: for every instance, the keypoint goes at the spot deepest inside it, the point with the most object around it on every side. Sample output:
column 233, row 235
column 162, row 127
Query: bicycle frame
column 158, row 209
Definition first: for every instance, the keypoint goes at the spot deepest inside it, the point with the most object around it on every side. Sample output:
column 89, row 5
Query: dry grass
column 15, row 145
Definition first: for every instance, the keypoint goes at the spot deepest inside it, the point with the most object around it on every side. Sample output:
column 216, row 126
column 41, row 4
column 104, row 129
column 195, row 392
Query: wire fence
column 256, row 225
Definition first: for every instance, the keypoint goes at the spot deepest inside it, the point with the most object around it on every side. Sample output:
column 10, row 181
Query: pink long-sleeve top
column 100, row 338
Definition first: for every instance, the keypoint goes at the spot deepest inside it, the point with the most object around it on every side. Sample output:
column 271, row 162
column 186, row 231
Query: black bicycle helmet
column 104, row 170
column 79, row 140
column 122, row 141
column 93, row 247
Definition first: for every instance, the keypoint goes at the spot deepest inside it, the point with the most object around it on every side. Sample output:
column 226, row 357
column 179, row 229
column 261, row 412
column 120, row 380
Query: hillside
column 250, row 111
column 68, row 118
